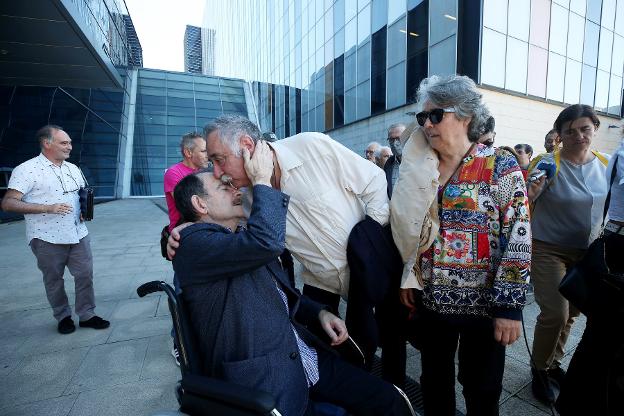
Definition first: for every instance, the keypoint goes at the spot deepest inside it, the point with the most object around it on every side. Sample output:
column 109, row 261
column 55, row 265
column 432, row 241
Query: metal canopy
column 48, row 43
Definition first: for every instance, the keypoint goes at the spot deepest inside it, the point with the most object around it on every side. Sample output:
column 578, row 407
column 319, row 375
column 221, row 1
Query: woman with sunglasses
column 475, row 273
column 566, row 216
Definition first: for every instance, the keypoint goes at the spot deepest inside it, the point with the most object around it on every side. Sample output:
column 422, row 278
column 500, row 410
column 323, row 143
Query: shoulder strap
column 83, row 177
column 611, row 180
column 601, row 157
column 557, row 156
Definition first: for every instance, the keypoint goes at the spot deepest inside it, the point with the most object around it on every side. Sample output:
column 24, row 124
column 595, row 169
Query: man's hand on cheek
column 259, row 167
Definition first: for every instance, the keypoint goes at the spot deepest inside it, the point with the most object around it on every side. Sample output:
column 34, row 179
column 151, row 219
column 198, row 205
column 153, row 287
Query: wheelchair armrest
column 229, row 393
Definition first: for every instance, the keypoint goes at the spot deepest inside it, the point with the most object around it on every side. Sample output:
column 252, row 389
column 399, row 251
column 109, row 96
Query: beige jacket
column 414, row 206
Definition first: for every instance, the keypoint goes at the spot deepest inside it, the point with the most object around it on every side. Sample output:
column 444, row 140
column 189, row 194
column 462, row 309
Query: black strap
column 608, row 199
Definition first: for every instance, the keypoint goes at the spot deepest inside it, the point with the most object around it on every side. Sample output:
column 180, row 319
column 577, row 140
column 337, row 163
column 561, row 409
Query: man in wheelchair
column 246, row 314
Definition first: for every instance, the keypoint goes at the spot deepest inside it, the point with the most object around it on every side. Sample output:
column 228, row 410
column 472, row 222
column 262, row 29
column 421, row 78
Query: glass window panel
column 593, row 10
column 396, row 9
column 519, row 17
column 604, row 52
column 493, row 58
column 339, row 41
column 576, row 37
column 540, row 22
column 379, row 14
column 443, row 17
column 397, row 37
column 396, row 86
column 329, row 51
column 363, row 62
column 329, row 24
column 350, row 9
column 350, row 66
column 590, row 52
column 494, row 14
column 615, row 95
column 578, row 6
column 364, row 25
column 350, row 35
column 538, row 64
column 617, row 63
column 442, row 57
column 363, row 100
column 588, row 85
column 556, row 77
column 619, row 18
column 350, row 106
column 602, row 90
column 339, row 14
column 564, row 3
column 572, row 82
column 608, row 14
column 558, row 29
column 362, row 4
column 517, row 59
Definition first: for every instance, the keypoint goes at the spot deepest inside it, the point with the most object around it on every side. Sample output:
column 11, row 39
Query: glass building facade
column 321, row 64
column 565, row 51
column 169, row 105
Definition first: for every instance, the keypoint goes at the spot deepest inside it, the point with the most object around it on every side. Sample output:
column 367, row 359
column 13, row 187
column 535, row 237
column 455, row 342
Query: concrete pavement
column 127, row 369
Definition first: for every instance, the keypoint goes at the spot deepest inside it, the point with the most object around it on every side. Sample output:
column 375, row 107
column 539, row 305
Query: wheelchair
column 199, row 395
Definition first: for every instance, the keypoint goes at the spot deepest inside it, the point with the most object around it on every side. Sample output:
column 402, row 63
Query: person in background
column 552, row 141
column 45, row 189
column 591, row 384
column 566, row 216
column 392, row 165
column 371, row 151
column 488, row 135
column 525, row 153
column 384, row 154
column 475, row 273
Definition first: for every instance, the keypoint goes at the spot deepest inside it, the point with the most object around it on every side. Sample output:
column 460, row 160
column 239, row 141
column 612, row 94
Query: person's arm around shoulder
column 19, row 185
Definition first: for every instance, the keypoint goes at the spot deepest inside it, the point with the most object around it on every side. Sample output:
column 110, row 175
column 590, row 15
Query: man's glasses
column 393, row 139
column 435, row 116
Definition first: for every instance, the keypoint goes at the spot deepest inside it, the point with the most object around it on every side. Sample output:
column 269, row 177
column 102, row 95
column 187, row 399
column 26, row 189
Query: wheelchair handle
column 150, row 287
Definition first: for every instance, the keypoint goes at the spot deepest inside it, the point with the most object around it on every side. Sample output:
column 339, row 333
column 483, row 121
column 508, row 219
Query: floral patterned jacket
column 479, row 263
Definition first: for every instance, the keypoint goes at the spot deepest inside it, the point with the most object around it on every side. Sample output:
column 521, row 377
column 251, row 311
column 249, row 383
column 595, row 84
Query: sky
column 160, row 25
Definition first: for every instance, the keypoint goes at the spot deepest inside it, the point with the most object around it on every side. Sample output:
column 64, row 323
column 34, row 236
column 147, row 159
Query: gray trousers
column 51, row 260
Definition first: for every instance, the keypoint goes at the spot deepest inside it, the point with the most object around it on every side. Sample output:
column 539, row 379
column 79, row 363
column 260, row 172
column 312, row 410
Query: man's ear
column 248, row 143
column 199, row 205
column 187, row 153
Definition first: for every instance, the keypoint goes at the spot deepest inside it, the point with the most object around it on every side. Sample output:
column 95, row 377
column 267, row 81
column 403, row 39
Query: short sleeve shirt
column 173, row 176
column 42, row 182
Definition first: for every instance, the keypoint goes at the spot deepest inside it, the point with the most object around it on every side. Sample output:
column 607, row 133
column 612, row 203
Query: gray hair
column 382, row 148
column 459, row 92
column 396, row 126
column 231, row 128
column 376, row 144
column 188, row 141
column 46, row 133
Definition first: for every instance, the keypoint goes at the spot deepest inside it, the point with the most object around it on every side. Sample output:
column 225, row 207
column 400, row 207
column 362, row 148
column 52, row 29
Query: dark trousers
column 353, row 389
column 481, row 364
column 591, row 385
column 332, row 300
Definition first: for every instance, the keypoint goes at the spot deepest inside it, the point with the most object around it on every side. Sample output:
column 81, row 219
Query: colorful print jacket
column 480, row 261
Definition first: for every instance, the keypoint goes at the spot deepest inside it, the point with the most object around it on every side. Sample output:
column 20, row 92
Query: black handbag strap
column 608, row 199
column 83, row 178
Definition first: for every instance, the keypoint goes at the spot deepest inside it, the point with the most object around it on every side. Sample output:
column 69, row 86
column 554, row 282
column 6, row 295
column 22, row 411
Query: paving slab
column 58, row 406
column 108, row 365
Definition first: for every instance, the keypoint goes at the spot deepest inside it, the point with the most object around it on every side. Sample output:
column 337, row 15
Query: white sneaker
column 176, row 355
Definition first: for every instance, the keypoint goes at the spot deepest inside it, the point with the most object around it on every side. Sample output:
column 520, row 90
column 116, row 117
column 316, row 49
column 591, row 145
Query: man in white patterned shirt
column 45, row 189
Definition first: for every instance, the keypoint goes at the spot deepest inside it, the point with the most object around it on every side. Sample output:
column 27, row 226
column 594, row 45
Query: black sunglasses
column 435, row 116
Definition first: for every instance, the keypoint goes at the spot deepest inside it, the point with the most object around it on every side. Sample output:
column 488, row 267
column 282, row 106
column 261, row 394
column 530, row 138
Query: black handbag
column 590, row 281
column 86, row 194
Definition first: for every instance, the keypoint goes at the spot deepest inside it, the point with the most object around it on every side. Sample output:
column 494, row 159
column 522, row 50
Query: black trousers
column 481, row 364
column 353, row 389
column 594, row 383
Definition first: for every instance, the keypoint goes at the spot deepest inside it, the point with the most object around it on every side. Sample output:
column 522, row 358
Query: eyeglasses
column 393, row 139
column 435, row 116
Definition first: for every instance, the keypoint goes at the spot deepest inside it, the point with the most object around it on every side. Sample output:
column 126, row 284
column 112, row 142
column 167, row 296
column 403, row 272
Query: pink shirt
column 173, row 175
